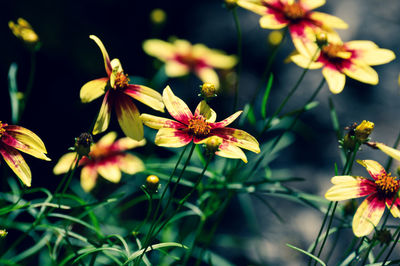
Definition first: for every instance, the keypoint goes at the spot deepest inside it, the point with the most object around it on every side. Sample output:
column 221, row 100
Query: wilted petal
column 103, row 119
column 335, row 79
column 106, row 58
column 176, row 107
column 130, row 164
column 226, row 121
column 204, row 109
column 64, row 164
column 157, row 122
column 93, row 89
column 129, row 117
column 146, row 95
column 349, row 187
column 17, row 163
column 88, row 178
column 208, row 75
column 374, row 168
column 110, row 171
column 362, row 72
column 368, row 215
column 170, row 137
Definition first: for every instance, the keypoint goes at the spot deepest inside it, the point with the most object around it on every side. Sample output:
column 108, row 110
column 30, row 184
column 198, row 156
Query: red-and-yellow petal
column 106, row 140
column 229, row 150
column 360, row 71
column 106, row 58
column 269, row 21
column 103, row 119
column 394, row 209
column 370, row 53
column 146, row 95
column 395, row 154
column 17, row 163
column 158, row 48
column 254, row 6
column 374, row 168
column 349, row 187
column 128, row 117
column 88, row 177
column 237, row 137
column 335, row 79
column 311, row 4
column 205, row 110
column 368, row 215
column 328, row 20
column 227, row 121
column 64, row 164
column 109, row 170
column 213, row 57
column 208, row 75
column 130, row 164
column 176, row 107
column 170, row 137
column 14, row 143
column 93, row 89
column 124, row 144
column 157, row 122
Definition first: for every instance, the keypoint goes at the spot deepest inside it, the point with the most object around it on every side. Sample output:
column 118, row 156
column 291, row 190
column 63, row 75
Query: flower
column 181, row 57
column 117, row 92
column 107, row 157
column 363, row 130
column 338, row 60
column 24, row 31
column 296, row 15
column 381, row 191
column 198, row 128
column 13, row 138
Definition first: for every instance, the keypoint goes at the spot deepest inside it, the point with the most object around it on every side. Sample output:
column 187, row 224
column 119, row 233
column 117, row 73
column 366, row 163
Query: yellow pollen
column 199, row 126
column 332, row 50
column 2, row 128
column 387, row 184
column 121, row 80
column 294, row 11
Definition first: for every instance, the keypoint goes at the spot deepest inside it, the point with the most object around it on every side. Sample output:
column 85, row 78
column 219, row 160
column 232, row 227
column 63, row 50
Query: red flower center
column 121, row 80
column 387, row 184
column 332, row 50
column 189, row 60
column 199, row 126
column 294, row 11
column 2, row 128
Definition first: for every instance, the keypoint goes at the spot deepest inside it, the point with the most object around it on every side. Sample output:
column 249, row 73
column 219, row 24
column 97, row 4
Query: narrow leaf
column 307, row 253
column 266, row 96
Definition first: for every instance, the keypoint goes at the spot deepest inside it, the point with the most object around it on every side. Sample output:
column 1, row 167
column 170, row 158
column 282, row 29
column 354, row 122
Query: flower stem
column 239, row 53
column 391, row 249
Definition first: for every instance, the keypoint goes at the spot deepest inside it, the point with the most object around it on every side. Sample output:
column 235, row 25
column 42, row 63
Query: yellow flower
column 363, row 130
column 24, row 31
column 13, row 138
column 181, row 57
column 198, row 128
column 107, row 157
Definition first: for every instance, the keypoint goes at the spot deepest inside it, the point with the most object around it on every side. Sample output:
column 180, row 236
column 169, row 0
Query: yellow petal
column 110, row 171
column 93, row 89
column 176, row 107
column 204, row 109
column 395, row 154
column 17, row 163
column 335, row 79
column 344, row 179
column 367, row 216
column 208, row 75
column 170, row 137
column 106, row 140
column 227, row 121
column 231, row 151
column 361, row 45
column 270, row 22
column 104, row 52
column 88, row 178
column 157, row 122
column 329, row 20
column 238, row 138
column 128, row 143
column 158, row 48
column 253, row 6
column 103, row 119
column 64, row 163
column 312, row 4
column 362, row 72
column 146, row 95
column 347, row 187
column 305, row 62
column 116, row 69
column 374, row 168
column 394, row 208
column 375, row 57
column 213, row 57
column 176, row 69
column 130, row 164
column 128, row 117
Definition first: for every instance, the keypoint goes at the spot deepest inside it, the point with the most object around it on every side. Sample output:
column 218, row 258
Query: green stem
column 239, row 52
column 391, row 249
column 385, row 247
column 149, row 210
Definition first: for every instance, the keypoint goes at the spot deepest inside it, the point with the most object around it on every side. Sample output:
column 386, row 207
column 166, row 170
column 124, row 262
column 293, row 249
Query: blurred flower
column 181, row 57
column 198, row 127
column 338, row 60
column 117, row 93
column 296, row 15
column 395, row 154
column 158, row 16
column 230, row 3
column 3, row 233
column 13, row 138
column 107, row 157
column 152, row 183
column 24, row 31
column 381, row 191
column 275, row 37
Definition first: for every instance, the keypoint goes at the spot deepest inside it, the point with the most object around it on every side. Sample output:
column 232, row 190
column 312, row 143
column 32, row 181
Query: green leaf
column 307, row 253
column 32, row 250
column 13, row 90
column 266, row 96
column 150, row 248
column 248, row 113
column 335, row 120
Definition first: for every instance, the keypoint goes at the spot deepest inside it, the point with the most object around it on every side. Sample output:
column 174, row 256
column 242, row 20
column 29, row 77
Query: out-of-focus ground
column 68, row 59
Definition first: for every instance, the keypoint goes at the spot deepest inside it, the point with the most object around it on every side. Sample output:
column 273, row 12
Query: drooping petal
column 329, row 20
column 208, row 75
column 395, row 208
column 270, row 21
column 368, row 215
column 362, row 72
column 349, row 187
column 228, row 150
column 253, row 6
column 170, row 137
column 88, row 177
column 103, row 119
column 93, row 89
column 130, row 164
column 176, row 107
column 204, row 109
column 109, row 171
column 65, row 163
column 17, row 163
column 158, row 48
column 311, row 4
column 128, row 117
column 146, row 95
column 237, row 137
column 157, row 122
column 26, row 137
column 395, row 154
column 335, row 79
column 226, row 121
column 124, row 144
column 176, row 69
column 305, row 62
column 374, row 168
column 106, row 58
column 370, row 53
column 24, row 147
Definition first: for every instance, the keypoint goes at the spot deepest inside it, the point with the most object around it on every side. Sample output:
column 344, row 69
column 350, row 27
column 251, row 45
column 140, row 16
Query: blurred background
column 68, row 59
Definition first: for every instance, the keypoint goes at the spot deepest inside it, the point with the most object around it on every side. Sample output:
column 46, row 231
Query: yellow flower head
column 363, row 130
column 208, row 90
column 152, row 183
column 24, row 31
column 3, row 233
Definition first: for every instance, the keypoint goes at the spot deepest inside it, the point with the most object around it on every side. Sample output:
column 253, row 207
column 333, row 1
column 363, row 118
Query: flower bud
column 212, row 144
column 83, row 143
column 152, row 183
column 275, row 37
column 24, row 31
column 158, row 16
column 208, row 90
column 349, row 140
column 383, row 236
column 321, row 39
column 363, row 130
column 3, row 233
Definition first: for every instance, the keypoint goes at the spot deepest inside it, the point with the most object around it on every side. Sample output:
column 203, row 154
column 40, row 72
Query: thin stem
column 386, row 246
column 149, row 210
column 391, row 249
column 239, row 52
